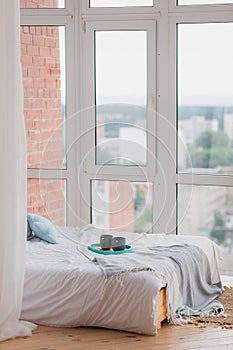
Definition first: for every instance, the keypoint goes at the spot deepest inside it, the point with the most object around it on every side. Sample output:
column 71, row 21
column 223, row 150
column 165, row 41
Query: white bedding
column 64, row 288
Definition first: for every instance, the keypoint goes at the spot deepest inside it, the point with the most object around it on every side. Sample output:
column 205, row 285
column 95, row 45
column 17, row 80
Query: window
column 120, row 3
column 120, row 84
column 121, row 97
column 205, row 111
column 204, row 126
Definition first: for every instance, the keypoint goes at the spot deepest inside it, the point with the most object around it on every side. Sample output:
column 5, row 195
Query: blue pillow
column 43, row 228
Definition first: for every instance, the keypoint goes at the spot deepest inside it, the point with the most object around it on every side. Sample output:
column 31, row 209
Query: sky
column 205, row 63
column 121, row 65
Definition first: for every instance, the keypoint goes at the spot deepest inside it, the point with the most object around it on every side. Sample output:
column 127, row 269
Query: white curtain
column 12, row 175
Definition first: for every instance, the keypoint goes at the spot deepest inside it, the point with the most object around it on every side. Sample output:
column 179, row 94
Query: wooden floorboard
column 168, row 338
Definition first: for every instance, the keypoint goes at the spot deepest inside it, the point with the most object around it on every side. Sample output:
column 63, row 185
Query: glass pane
column 43, row 62
column 208, row 211
column 121, row 97
column 203, row 2
column 205, row 98
column 48, row 198
column 40, row 4
column 120, row 3
column 122, row 205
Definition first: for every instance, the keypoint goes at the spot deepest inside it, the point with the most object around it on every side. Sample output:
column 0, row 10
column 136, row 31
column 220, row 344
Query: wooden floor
column 168, row 338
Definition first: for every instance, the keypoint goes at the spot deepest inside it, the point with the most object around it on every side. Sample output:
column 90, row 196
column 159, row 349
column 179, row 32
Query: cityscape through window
column 205, row 131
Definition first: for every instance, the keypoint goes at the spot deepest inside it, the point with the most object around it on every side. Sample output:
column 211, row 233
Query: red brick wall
column 42, row 96
column 47, row 198
column 40, row 50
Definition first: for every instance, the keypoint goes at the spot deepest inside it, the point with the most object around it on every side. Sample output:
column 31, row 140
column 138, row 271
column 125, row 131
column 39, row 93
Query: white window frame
column 129, row 10
column 192, row 14
column 213, row 8
column 80, row 21
column 88, row 139
column 94, row 171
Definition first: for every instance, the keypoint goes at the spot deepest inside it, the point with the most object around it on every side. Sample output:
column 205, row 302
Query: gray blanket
column 185, row 270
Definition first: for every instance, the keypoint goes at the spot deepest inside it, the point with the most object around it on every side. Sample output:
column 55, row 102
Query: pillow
column 43, row 228
column 30, row 234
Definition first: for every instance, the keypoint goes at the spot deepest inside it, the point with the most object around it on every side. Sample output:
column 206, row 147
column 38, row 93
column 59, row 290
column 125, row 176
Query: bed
column 165, row 276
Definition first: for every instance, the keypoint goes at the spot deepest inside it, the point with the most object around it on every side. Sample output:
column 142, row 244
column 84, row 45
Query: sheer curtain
column 12, row 175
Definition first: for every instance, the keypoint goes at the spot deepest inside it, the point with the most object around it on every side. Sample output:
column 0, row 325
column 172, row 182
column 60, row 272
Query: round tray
column 97, row 249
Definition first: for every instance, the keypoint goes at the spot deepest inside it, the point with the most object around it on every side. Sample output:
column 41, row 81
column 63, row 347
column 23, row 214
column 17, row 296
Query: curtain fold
column 13, row 206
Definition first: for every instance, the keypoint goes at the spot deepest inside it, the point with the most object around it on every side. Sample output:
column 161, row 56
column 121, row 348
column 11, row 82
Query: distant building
column 133, row 144
column 197, row 206
column 113, row 205
column 193, row 127
column 228, row 126
column 188, row 132
column 101, row 204
column 117, row 206
column 129, row 147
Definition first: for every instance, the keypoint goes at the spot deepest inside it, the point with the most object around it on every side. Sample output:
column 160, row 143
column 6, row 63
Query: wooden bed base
column 162, row 306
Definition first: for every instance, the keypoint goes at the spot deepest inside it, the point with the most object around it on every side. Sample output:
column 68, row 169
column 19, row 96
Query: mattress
column 65, row 287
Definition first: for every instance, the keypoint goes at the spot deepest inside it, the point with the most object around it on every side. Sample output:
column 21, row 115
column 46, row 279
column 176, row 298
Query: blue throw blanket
column 185, row 270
